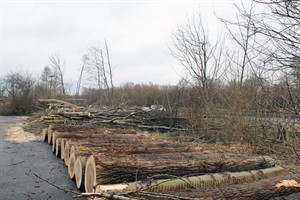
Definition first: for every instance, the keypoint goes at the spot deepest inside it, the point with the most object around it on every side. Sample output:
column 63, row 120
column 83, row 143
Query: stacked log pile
column 153, row 119
column 122, row 161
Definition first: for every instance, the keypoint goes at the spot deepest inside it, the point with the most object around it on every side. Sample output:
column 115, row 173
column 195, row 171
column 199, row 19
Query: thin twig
column 30, row 197
column 13, row 164
column 295, row 152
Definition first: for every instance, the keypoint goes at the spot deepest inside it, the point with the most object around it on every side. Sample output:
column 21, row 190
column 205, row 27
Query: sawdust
column 16, row 133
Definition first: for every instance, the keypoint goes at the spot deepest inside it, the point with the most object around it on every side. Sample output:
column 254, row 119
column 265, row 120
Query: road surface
column 28, row 168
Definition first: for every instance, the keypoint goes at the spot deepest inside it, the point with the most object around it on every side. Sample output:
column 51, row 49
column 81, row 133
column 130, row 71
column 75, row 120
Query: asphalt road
column 28, row 168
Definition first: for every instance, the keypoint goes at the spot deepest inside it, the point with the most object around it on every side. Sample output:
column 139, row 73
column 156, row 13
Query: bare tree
column 276, row 27
column 280, row 24
column 58, row 65
column 98, row 67
column 84, row 60
column 245, row 39
column 200, row 56
column 19, row 88
column 110, row 73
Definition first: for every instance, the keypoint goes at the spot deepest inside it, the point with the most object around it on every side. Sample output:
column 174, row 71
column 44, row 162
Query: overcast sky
column 137, row 33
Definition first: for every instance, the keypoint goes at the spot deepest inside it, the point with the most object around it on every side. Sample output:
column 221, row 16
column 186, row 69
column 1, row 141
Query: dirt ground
column 28, row 168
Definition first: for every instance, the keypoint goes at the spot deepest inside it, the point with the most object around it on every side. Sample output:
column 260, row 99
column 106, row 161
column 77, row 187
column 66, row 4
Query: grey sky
column 137, row 33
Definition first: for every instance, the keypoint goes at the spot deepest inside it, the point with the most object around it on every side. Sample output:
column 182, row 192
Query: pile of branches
column 154, row 118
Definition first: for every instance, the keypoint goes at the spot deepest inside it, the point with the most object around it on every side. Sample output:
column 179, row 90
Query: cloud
column 137, row 34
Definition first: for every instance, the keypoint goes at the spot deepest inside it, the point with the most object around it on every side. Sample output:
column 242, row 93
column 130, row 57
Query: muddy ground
column 28, row 168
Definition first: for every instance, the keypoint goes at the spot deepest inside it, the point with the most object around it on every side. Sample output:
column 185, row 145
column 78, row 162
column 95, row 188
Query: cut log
column 77, row 135
column 45, row 134
column 112, row 168
column 131, row 148
column 262, row 189
column 62, row 148
column 99, row 143
column 97, row 140
column 71, row 166
column 69, row 129
column 75, row 107
column 87, row 136
column 88, row 149
column 88, row 131
column 58, row 147
column 74, row 114
column 200, row 182
column 49, row 137
column 79, row 169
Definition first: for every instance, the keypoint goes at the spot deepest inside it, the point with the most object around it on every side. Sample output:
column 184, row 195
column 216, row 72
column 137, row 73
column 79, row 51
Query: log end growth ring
column 67, row 153
column 79, row 169
column 57, row 147
column 62, row 148
column 90, row 175
column 78, row 173
column 45, row 134
column 71, row 166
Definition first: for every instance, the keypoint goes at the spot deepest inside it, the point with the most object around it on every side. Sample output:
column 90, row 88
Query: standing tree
column 48, row 84
column 202, row 58
column 244, row 75
column 277, row 26
column 84, row 60
column 245, row 39
column 98, row 67
column 57, row 64
column 19, row 89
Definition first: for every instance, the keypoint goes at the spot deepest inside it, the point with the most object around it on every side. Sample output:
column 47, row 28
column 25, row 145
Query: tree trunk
column 199, row 182
column 83, row 129
column 96, row 142
column 132, row 148
column 70, row 129
column 86, row 150
column 87, row 133
column 112, row 168
column 262, row 189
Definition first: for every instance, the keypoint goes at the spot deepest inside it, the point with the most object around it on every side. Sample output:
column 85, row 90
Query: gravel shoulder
column 26, row 164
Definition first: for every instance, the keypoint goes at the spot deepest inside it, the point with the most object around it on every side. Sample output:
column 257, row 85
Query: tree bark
column 262, row 189
column 69, row 129
column 85, row 150
column 133, row 148
column 98, row 140
column 83, row 129
column 112, row 168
